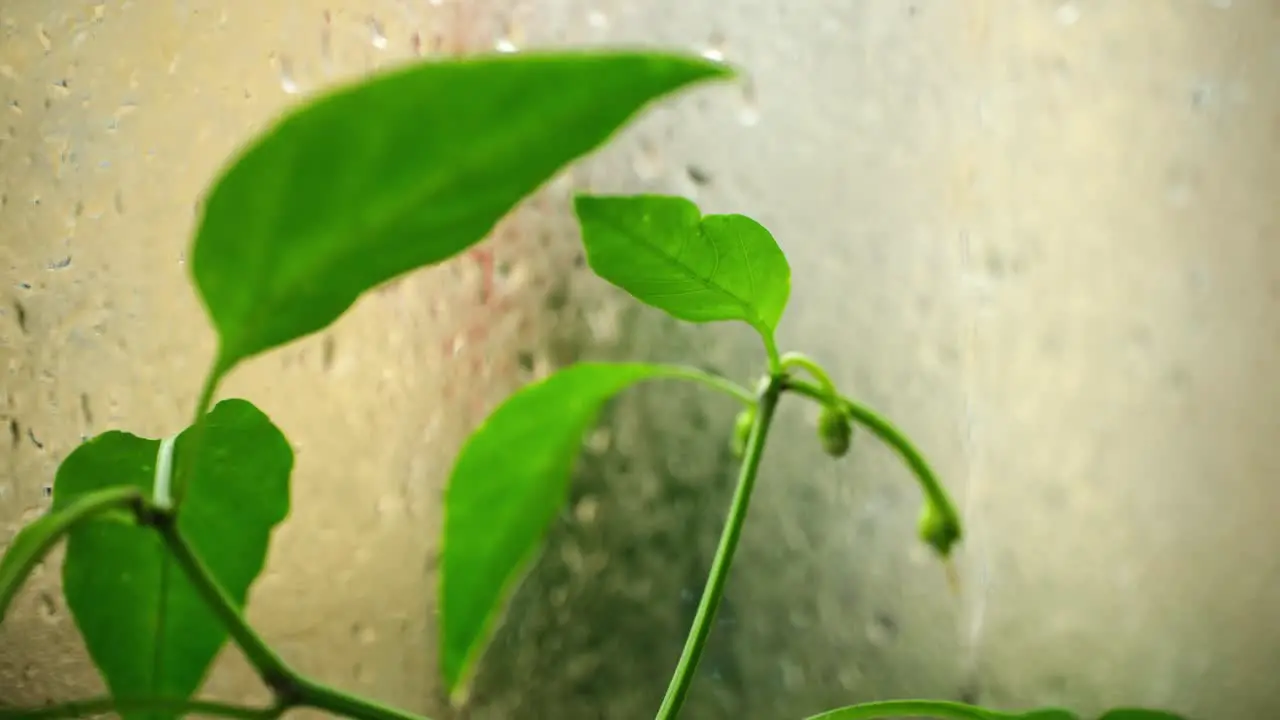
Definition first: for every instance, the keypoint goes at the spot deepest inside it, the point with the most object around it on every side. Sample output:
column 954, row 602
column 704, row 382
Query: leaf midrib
column 753, row 316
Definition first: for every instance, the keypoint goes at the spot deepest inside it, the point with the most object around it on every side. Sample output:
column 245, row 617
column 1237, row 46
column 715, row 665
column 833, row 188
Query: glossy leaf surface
column 35, row 540
column 146, row 628
column 404, row 170
column 662, row 251
column 509, row 483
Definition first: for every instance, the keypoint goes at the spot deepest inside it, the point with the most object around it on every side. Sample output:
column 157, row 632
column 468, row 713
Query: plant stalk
column 292, row 689
column 269, row 665
column 711, row 594
column 935, row 494
column 322, row 697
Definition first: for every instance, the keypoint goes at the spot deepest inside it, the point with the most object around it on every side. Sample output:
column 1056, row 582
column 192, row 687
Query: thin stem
column 711, row 380
column 164, row 706
column 771, row 349
column 939, row 709
column 895, row 438
column 309, row 693
column 269, row 665
column 292, row 689
column 35, row 541
column 205, row 400
column 800, row 360
column 702, row 620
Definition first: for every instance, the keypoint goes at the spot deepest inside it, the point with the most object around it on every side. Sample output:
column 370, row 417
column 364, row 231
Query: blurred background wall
column 1039, row 235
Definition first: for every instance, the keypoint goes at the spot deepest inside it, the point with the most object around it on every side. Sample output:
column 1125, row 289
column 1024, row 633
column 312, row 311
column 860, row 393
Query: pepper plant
column 165, row 536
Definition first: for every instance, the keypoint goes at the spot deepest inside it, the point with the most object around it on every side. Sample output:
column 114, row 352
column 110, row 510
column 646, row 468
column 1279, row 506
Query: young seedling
column 165, row 536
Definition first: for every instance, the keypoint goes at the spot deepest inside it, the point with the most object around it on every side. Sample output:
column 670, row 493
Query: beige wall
column 1039, row 235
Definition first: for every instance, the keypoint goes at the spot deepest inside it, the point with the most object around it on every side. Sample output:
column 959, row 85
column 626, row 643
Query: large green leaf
column 508, row 484
column 1139, row 714
column 33, row 541
column 145, row 626
column 661, row 250
column 407, row 169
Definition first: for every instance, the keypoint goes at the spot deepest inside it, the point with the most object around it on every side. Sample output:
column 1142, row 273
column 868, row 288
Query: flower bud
column 835, row 431
column 939, row 530
column 742, row 430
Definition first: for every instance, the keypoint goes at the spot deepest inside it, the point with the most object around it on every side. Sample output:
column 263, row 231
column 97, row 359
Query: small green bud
column 835, row 431
column 941, row 531
column 742, row 430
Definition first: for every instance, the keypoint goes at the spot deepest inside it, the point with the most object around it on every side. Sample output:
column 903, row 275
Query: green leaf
column 404, row 170
column 508, row 484
column 1139, row 714
column 941, row 709
column 145, row 626
column 35, row 540
column 661, row 250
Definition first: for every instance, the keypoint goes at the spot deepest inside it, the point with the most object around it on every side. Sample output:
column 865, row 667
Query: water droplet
column 698, row 175
column 1067, row 14
column 647, row 161
column 287, row 82
column 47, row 607
column 714, row 49
column 603, row 324
column 326, row 39
column 599, row 440
column 377, row 35
column 586, row 510
column 749, row 110
column 364, row 634
column 597, row 20
column 390, row 504
column 881, row 630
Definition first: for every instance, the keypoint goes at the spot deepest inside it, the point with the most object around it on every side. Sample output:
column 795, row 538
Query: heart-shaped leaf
column 33, row 541
column 145, row 626
column 507, row 486
column 401, row 171
column 662, row 251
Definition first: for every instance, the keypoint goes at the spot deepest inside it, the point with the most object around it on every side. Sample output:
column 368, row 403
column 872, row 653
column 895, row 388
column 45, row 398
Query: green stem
column 800, row 360
column 713, row 381
column 702, row 620
column 292, row 689
column 205, row 400
column 895, row 438
column 309, row 693
column 771, row 349
column 164, row 706
column 35, row 541
column 269, row 665
column 939, row 709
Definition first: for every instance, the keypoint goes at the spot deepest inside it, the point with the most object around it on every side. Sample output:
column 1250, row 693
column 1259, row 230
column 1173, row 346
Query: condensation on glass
column 1038, row 235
